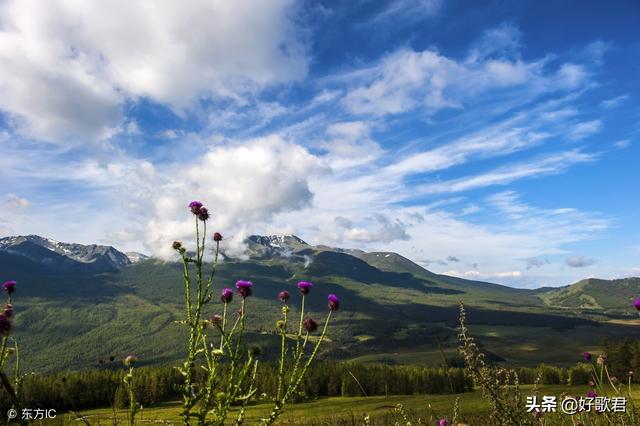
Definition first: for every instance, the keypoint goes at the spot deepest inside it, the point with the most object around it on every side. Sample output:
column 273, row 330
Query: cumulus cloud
column 68, row 66
column 579, row 261
column 383, row 233
column 244, row 183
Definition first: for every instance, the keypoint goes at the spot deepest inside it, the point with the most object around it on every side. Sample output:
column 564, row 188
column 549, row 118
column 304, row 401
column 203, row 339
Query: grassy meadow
column 341, row 410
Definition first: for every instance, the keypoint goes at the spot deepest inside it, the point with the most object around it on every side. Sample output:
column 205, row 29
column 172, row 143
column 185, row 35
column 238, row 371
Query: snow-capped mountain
column 274, row 245
column 135, row 257
column 64, row 256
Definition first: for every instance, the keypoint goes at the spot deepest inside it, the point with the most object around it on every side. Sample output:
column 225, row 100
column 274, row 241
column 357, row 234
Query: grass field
column 339, row 411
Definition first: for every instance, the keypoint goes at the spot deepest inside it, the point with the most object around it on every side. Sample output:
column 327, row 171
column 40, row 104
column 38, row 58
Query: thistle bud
column 130, row 360
column 310, row 325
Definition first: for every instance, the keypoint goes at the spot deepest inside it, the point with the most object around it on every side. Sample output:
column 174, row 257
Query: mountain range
column 78, row 305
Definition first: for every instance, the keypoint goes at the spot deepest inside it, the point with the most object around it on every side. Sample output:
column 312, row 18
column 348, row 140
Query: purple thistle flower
column 592, row 394
column 636, row 304
column 586, row 356
column 5, row 325
column 8, row 310
column 9, row 287
column 443, row 422
column 283, row 296
column 305, row 287
column 203, row 215
column 217, row 236
column 244, row 288
column 130, row 360
column 310, row 325
column 195, row 207
column 334, row 302
column 226, row 295
column 177, row 245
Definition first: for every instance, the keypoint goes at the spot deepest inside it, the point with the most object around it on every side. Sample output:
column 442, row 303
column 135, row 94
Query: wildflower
column 5, row 325
column 204, row 214
column 130, row 360
column 334, row 302
column 280, row 325
column 244, row 288
column 630, row 373
column 305, row 287
column 537, row 414
column 586, row 356
column 443, row 422
column 283, row 296
column 592, row 394
column 177, row 245
column 614, row 379
column 636, row 304
column 591, row 383
column 9, row 286
column 217, row 236
column 195, row 207
column 11, row 351
column 601, row 359
column 310, row 325
column 226, row 295
column 215, row 320
column 8, row 310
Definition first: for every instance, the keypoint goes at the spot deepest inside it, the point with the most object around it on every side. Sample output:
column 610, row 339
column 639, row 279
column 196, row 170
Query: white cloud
column 243, row 183
column 585, row 129
column 406, row 79
column 350, row 144
column 68, row 66
column 503, row 138
column 547, row 165
column 614, row 102
column 407, row 10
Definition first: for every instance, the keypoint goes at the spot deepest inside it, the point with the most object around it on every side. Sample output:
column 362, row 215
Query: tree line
column 77, row 390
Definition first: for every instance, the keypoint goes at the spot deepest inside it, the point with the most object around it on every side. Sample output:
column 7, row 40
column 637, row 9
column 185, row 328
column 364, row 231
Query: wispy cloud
column 579, row 261
column 614, row 102
column 585, row 129
column 550, row 164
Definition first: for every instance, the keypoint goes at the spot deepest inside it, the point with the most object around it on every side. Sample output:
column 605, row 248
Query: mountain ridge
column 391, row 307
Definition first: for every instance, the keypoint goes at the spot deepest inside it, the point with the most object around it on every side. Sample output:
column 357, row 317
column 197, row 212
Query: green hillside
column 607, row 296
column 392, row 311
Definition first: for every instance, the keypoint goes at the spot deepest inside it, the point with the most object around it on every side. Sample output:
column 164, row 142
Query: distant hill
column 79, row 304
column 64, row 256
column 595, row 294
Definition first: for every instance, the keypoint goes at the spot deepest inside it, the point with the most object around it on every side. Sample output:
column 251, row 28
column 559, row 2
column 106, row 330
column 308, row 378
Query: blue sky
column 496, row 141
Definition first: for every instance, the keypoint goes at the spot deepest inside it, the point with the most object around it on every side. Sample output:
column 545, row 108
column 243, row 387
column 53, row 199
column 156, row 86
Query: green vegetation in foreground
column 341, row 410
